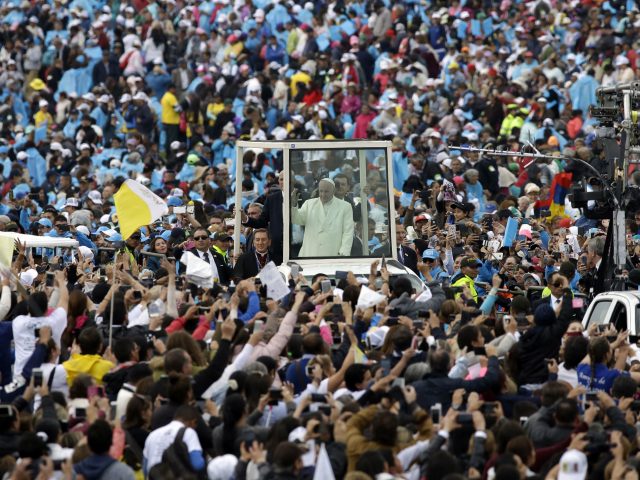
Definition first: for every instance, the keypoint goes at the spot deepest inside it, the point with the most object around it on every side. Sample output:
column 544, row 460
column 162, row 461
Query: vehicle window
column 619, row 316
column 340, row 204
column 599, row 312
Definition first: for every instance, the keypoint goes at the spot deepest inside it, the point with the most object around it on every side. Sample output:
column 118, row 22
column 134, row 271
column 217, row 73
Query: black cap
column 221, row 237
column 50, row 427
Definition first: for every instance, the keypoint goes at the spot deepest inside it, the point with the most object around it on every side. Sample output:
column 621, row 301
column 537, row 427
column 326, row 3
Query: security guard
column 468, row 273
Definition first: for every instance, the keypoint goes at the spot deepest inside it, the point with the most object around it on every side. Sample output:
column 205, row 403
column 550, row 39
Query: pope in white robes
column 328, row 223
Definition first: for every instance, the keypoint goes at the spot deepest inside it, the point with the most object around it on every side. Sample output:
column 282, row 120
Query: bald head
column 326, row 189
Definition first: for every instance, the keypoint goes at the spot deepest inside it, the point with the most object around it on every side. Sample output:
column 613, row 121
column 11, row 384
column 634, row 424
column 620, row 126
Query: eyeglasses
column 558, row 285
column 200, row 238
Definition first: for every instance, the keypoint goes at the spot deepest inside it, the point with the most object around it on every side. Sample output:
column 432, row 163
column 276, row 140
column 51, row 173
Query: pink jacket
column 278, row 341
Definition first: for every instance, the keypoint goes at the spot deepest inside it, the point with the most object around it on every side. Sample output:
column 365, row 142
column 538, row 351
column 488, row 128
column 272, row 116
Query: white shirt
column 125, row 394
column 59, row 381
column 345, row 391
column 24, row 337
column 554, row 301
column 162, row 438
column 139, row 315
column 569, row 376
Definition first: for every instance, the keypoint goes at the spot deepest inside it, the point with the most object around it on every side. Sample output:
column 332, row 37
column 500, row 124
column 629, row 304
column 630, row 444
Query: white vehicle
column 621, row 309
column 367, row 166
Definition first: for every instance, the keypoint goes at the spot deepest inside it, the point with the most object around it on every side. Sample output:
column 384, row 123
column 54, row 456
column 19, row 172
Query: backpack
column 132, row 454
column 177, row 457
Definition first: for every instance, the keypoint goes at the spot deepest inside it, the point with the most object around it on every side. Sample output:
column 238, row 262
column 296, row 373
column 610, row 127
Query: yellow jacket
column 169, row 115
column 468, row 281
column 41, row 117
column 93, row 365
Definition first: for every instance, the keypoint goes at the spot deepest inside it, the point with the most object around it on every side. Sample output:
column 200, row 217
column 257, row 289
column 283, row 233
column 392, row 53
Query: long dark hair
column 598, row 351
column 134, row 416
column 233, row 409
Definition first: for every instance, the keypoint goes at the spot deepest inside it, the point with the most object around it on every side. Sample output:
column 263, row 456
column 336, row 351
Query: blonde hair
column 325, row 363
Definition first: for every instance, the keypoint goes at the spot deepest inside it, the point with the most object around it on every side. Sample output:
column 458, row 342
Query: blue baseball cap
column 100, row 230
column 431, row 254
column 45, row 222
column 174, row 202
column 115, row 238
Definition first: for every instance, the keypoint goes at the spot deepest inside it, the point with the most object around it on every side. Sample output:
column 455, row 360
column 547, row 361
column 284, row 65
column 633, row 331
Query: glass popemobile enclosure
column 337, row 201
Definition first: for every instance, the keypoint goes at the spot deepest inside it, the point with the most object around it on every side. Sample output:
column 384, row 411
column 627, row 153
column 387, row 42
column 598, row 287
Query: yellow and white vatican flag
column 137, row 206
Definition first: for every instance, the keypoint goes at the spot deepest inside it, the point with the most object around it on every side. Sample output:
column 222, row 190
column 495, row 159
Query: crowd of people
column 469, row 360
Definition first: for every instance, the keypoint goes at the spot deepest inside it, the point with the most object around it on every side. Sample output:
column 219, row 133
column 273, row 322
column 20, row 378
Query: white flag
column 369, row 298
column 323, row 469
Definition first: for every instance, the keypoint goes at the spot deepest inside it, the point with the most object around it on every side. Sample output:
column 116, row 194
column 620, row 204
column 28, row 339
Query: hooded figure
column 543, row 340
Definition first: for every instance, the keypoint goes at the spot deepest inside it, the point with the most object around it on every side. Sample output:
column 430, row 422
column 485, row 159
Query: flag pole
column 113, row 297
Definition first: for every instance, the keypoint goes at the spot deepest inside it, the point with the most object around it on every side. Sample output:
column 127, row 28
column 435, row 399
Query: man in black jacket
column 271, row 218
column 437, row 387
column 251, row 262
column 214, row 252
column 406, row 255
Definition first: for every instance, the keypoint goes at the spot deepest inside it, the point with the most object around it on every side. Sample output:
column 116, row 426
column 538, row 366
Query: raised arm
column 63, row 299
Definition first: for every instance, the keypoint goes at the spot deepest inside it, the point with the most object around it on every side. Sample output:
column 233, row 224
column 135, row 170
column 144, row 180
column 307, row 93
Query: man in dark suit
column 251, row 262
column 271, row 219
column 557, row 283
column 406, row 255
column 204, row 251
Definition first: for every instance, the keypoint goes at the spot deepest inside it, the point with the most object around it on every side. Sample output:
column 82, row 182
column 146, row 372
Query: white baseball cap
column 27, row 277
column 573, row 466
column 72, row 202
column 95, row 196
column 87, row 254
